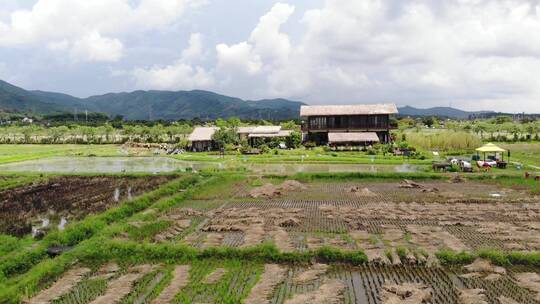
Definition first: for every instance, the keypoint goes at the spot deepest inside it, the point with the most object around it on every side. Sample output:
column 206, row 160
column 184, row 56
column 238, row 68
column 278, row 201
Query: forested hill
column 148, row 105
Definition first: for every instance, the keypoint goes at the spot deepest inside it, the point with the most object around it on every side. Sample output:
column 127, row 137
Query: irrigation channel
column 166, row 164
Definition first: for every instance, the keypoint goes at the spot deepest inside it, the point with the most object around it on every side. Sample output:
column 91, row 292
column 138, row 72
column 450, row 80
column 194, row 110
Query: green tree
column 58, row 133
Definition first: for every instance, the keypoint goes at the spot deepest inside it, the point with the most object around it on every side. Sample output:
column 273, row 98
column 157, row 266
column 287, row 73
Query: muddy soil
column 70, row 197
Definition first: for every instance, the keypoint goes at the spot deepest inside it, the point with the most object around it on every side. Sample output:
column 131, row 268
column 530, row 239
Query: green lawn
column 526, row 153
column 15, row 153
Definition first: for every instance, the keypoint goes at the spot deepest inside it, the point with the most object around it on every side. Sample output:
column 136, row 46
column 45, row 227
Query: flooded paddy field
column 79, row 165
column 245, row 239
column 74, row 165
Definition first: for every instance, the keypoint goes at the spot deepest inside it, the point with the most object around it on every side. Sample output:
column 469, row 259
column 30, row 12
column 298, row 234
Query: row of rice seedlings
column 363, row 284
column 475, row 240
column 85, row 292
column 147, row 230
column 503, row 286
column 143, row 290
column 232, row 287
column 196, row 224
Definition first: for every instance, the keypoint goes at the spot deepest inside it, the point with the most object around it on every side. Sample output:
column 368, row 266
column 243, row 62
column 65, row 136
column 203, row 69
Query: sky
column 469, row 54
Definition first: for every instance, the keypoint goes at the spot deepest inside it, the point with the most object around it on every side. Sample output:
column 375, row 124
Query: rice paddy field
column 240, row 237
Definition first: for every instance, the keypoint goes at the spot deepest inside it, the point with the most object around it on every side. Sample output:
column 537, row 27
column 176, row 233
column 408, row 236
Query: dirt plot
column 427, row 191
column 362, row 216
column 69, row 197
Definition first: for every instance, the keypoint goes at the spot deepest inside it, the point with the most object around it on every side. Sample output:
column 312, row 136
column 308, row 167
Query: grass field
column 16, row 153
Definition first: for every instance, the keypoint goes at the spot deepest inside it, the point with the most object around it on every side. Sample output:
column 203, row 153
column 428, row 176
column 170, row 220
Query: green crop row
column 496, row 257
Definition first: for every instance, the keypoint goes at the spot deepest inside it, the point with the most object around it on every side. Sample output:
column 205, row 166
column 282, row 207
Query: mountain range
column 149, row 105
column 174, row 105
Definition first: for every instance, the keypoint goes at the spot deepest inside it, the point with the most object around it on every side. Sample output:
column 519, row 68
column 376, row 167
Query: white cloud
column 238, row 58
column 195, row 49
column 94, row 47
column 176, row 76
column 64, row 19
column 51, row 22
column 266, row 44
column 269, row 42
column 421, row 52
column 179, row 75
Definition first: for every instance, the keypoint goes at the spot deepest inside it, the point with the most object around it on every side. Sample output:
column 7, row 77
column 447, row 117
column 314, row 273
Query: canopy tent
column 491, row 148
column 488, row 148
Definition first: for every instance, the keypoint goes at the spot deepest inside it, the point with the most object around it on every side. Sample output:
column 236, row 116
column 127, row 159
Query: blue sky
column 472, row 54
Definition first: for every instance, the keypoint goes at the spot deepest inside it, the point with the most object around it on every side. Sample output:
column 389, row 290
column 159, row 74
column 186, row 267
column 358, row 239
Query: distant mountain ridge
column 176, row 105
column 438, row 111
column 149, row 105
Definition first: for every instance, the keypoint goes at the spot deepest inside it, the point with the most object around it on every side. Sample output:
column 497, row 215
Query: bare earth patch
column 215, row 276
column 270, row 190
column 484, row 268
column 331, row 292
column 179, row 280
column 60, row 287
column 530, row 281
column 472, row 296
column 273, row 275
column 408, row 293
column 310, row 274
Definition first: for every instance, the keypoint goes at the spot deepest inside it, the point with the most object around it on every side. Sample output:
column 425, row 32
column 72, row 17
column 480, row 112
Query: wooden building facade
column 321, row 121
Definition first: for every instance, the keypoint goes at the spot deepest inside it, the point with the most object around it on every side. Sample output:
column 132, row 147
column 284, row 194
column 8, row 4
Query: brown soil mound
column 331, row 292
column 530, row 281
column 484, row 266
column 364, row 192
column 72, row 197
column 407, row 293
column 505, row 300
column 265, row 191
column 472, row 296
column 311, row 274
column 271, row 277
column 282, row 240
column 215, row 276
column 60, row 287
column 180, row 280
column 409, row 184
column 270, row 190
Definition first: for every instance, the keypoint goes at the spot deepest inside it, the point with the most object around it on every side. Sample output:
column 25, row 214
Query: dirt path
column 60, row 287
column 179, row 280
column 215, row 276
column 311, row 274
column 121, row 287
column 407, row 293
column 271, row 277
column 472, row 296
column 530, row 281
column 331, row 292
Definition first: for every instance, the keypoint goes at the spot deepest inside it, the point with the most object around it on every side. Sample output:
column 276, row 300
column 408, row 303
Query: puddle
column 105, row 165
column 62, row 224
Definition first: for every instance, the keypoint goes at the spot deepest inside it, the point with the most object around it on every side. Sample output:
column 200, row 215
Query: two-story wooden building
column 347, row 124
